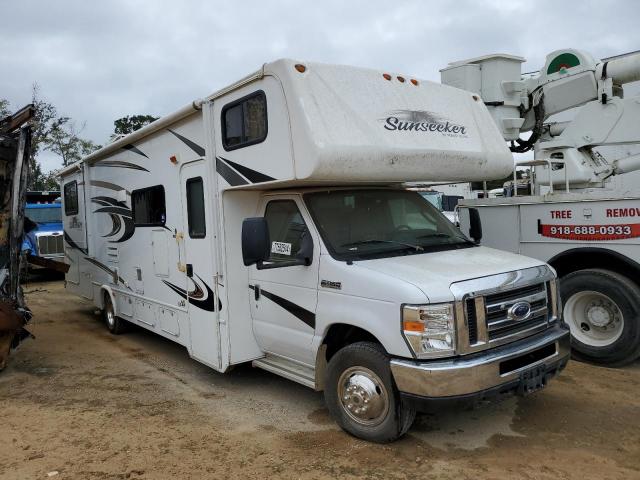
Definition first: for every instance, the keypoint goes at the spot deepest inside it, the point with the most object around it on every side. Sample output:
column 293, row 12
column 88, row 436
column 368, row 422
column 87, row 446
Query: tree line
column 62, row 136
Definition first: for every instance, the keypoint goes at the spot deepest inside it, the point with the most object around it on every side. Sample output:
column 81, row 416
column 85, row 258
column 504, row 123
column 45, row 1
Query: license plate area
column 532, row 380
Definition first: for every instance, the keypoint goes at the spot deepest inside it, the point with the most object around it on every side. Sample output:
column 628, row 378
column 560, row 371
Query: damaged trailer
column 15, row 145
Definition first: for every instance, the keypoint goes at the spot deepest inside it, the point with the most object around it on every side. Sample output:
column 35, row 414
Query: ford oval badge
column 519, row 311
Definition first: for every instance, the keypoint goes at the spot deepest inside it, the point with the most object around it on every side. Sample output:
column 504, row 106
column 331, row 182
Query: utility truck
column 268, row 223
column 583, row 218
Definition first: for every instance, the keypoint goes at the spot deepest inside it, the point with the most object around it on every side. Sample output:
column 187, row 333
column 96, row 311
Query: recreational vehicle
column 269, row 223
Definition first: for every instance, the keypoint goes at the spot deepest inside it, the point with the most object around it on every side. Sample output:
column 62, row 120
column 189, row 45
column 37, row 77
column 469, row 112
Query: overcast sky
column 101, row 60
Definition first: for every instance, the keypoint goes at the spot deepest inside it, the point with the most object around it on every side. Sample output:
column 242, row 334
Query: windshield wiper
column 417, row 248
column 442, row 235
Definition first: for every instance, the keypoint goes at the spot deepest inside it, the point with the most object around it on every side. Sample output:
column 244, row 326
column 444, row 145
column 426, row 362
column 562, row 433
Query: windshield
column 434, row 198
column 365, row 224
column 44, row 214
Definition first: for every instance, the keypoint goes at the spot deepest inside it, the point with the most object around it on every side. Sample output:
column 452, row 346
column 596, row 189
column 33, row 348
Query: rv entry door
column 200, row 264
column 75, row 229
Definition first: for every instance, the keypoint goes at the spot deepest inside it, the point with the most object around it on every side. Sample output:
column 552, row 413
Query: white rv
column 268, row 223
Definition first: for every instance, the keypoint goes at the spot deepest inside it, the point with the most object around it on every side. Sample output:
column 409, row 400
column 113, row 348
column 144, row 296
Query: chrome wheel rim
column 363, row 396
column 594, row 319
column 111, row 318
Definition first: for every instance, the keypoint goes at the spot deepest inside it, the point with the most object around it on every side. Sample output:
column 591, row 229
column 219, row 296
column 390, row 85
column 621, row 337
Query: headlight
column 430, row 329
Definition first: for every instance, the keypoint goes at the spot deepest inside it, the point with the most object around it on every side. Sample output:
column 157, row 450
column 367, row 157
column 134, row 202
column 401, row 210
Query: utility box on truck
column 268, row 223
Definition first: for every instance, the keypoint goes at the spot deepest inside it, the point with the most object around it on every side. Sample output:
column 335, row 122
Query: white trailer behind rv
column 267, row 223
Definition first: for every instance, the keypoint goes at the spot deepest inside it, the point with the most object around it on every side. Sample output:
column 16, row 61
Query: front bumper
column 489, row 370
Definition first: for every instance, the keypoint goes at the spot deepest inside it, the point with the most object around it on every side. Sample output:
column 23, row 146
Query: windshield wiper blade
column 365, row 242
column 442, row 235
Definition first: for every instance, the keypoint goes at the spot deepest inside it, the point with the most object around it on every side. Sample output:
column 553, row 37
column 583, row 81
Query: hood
column 433, row 273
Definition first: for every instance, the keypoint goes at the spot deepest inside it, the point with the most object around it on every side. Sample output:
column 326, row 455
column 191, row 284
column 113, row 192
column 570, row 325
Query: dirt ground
column 79, row 403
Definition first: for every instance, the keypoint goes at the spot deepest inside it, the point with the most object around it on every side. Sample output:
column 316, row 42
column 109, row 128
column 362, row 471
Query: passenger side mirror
column 255, row 241
column 305, row 254
column 475, row 225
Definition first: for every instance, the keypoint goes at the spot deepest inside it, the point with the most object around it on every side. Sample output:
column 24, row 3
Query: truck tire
column 602, row 309
column 115, row 324
column 362, row 397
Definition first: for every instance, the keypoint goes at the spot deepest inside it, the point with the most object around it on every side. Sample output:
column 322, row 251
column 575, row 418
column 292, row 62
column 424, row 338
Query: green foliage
column 131, row 123
column 57, row 134
column 4, row 108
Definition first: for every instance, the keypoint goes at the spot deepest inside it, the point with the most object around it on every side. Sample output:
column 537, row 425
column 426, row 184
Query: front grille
column 472, row 321
column 50, row 245
column 500, row 325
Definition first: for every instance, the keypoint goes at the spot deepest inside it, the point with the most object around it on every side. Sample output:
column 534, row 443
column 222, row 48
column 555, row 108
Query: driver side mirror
column 255, row 241
column 475, row 225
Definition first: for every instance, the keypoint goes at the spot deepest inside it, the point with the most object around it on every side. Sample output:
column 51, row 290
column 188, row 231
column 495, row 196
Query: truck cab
column 395, row 304
column 46, row 239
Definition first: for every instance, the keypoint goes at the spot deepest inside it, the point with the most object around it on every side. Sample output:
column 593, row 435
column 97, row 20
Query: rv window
column 286, row 228
column 71, row 198
column 195, row 208
column 244, row 122
column 149, row 207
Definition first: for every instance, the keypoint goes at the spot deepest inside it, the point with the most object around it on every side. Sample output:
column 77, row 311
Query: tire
column 115, row 325
column 364, row 368
column 602, row 309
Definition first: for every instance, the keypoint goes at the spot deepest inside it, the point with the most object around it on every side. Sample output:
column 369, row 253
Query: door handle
column 190, row 270
column 256, row 292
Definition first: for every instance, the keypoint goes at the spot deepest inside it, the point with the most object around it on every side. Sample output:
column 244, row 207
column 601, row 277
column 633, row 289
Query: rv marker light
column 386, row 76
column 414, row 81
column 173, row 159
column 301, row 68
column 400, row 79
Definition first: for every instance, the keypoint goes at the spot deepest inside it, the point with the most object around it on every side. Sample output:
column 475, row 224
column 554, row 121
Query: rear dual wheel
column 114, row 323
column 602, row 309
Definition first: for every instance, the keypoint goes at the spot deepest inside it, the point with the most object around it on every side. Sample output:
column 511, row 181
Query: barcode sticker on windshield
column 281, row 248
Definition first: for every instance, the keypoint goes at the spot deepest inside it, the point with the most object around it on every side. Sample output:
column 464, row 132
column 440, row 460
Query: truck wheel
column 362, row 397
column 602, row 310
column 115, row 324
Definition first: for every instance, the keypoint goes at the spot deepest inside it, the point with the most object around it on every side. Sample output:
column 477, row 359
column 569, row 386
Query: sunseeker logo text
column 423, row 121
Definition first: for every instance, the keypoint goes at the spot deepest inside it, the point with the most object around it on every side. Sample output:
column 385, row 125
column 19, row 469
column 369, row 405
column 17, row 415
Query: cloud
column 98, row 61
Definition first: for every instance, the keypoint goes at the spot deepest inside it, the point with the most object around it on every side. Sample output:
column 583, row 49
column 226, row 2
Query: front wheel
column 361, row 395
column 602, row 309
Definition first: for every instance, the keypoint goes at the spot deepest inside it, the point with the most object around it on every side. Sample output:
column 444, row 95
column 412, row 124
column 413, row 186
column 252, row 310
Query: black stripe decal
column 108, row 270
column 197, row 296
column 252, row 175
column 73, row 244
column 134, row 149
column 296, row 310
column 229, row 174
column 119, row 164
column 108, row 186
column 192, row 145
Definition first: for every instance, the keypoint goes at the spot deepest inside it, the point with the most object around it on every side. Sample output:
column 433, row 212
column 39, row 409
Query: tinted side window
column 244, row 122
column 71, row 198
column 148, row 206
column 286, row 228
column 195, row 208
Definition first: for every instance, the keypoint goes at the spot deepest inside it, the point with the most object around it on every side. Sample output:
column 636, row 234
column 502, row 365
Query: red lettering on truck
column 623, row 212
